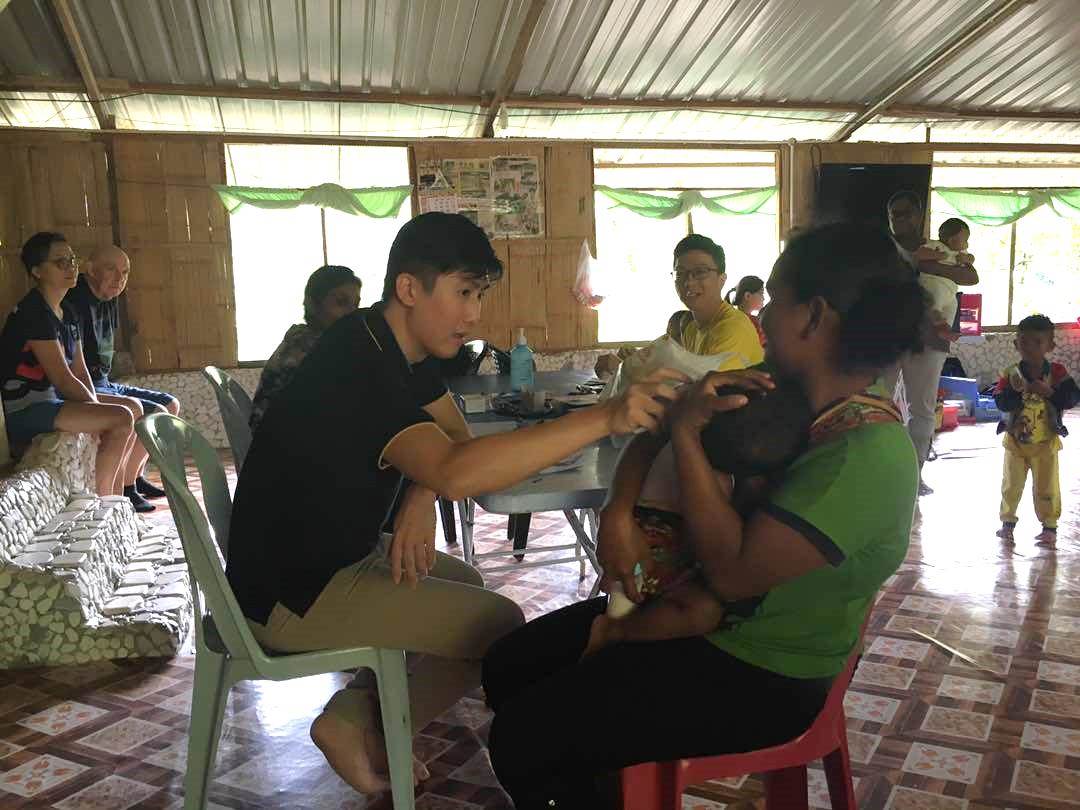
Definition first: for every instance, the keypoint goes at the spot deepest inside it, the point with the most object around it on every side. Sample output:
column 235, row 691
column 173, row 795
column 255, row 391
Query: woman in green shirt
column 797, row 577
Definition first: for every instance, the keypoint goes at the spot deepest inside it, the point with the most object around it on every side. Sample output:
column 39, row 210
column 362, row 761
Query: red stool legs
column 785, row 789
column 838, row 774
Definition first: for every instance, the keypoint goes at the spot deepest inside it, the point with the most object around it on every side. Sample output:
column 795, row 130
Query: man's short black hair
column 763, row 436
column 697, row 241
column 433, row 244
column 912, row 197
column 36, row 249
column 1035, row 323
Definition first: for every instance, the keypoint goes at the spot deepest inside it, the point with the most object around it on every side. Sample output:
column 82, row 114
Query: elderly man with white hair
column 94, row 299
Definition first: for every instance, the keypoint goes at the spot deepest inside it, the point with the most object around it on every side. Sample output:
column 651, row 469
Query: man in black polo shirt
column 95, row 301
column 326, row 525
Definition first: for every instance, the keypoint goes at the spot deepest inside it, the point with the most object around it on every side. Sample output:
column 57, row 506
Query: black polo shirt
column 98, row 321
column 311, row 498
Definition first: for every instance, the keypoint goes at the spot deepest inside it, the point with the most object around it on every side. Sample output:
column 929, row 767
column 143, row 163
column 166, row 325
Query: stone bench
column 82, row 578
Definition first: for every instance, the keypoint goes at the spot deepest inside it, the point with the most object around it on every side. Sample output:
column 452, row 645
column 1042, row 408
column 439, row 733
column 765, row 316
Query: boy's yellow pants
column 1042, row 460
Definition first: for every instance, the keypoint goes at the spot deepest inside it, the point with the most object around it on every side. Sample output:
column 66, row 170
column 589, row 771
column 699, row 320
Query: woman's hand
column 621, row 546
column 642, row 406
column 700, row 402
column 412, row 551
column 925, row 253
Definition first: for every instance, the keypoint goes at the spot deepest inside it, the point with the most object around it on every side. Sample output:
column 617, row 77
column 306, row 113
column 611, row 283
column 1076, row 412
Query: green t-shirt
column 853, row 497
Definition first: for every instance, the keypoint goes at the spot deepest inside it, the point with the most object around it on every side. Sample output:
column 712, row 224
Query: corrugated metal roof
column 827, row 50
column 426, row 46
column 18, row 109
column 840, row 52
column 1031, row 61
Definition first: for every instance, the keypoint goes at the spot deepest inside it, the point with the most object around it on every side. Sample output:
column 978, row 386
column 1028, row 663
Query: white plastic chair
column 235, row 407
column 225, row 650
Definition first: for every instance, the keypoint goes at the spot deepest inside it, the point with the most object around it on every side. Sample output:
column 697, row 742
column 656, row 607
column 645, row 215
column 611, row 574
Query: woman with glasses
column 43, row 376
column 709, row 324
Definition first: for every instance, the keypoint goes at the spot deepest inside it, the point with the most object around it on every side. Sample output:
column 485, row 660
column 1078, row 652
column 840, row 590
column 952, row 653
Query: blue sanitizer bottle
column 521, row 365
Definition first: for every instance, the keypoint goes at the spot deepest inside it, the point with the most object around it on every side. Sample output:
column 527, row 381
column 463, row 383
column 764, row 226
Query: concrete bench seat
column 82, row 578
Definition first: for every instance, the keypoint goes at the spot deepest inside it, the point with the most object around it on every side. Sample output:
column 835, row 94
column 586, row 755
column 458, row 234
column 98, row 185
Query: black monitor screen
column 858, row 192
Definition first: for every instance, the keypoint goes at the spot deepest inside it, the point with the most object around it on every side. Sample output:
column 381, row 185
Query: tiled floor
column 927, row 730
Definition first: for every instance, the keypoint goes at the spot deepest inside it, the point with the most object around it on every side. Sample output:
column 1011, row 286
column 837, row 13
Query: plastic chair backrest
column 235, row 406
column 169, row 439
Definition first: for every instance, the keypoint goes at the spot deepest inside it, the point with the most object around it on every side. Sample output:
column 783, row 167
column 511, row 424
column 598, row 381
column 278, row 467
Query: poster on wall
column 501, row 195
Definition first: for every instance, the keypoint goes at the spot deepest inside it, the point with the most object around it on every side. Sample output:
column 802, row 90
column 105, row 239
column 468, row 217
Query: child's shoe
column 1047, row 537
column 1006, row 532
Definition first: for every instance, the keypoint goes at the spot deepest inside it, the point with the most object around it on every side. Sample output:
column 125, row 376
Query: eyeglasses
column 66, row 262
column 684, row 274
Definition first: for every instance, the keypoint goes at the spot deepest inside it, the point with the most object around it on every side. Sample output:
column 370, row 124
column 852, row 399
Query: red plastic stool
column 660, row 785
column 970, row 311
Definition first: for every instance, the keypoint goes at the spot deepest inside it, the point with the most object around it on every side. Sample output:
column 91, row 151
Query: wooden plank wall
column 536, row 289
column 180, row 300
column 49, row 184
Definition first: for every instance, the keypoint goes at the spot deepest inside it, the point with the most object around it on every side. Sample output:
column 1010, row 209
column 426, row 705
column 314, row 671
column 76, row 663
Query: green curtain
column 368, row 202
column 1065, row 202
column 656, row 206
column 1004, row 206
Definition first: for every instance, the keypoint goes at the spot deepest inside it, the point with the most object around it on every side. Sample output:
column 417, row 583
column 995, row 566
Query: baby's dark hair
column 763, row 436
column 951, row 227
column 1035, row 323
column 857, row 271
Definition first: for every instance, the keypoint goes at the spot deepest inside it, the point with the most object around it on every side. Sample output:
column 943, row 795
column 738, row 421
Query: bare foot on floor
column 347, row 748
column 358, row 755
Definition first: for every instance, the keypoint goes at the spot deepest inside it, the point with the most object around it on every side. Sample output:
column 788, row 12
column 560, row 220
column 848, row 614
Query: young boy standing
column 1032, row 395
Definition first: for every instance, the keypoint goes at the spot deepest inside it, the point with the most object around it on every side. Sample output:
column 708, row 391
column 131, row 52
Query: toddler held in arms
column 951, row 247
column 746, row 447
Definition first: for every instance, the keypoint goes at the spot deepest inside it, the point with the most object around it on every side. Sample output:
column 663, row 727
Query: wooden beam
column 961, row 41
column 120, row 87
column 65, row 133
column 973, row 114
column 578, row 102
column 513, row 67
column 73, row 40
column 716, row 165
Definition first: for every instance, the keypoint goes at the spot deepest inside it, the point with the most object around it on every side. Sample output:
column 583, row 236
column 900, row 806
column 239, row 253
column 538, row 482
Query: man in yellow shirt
column 710, row 325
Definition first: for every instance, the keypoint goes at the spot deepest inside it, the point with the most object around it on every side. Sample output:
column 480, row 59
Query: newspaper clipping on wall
column 501, row 195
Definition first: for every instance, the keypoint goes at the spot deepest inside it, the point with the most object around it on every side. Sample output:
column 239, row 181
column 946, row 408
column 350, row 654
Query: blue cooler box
column 986, row 410
column 960, row 388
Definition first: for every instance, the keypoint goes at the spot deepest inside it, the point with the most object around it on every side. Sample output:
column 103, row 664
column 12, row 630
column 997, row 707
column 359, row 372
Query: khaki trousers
column 449, row 617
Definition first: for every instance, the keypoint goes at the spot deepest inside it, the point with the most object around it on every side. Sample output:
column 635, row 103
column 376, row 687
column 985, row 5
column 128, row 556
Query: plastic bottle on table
column 522, row 374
